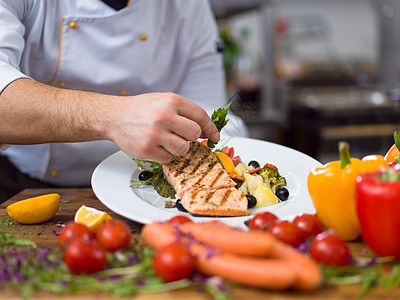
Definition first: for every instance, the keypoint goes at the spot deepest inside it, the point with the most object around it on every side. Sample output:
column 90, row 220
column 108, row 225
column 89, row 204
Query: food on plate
column 91, row 217
column 265, row 183
column 162, row 186
column 378, row 206
column 332, row 190
column 203, row 185
column 203, row 173
column 281, row 268
column 225, row 161
column 35, row 210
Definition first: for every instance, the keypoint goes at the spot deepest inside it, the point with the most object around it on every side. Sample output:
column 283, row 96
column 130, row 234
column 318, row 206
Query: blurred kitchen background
column 308, row 73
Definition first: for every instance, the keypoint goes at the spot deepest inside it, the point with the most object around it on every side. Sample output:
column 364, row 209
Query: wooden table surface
column 72, row 199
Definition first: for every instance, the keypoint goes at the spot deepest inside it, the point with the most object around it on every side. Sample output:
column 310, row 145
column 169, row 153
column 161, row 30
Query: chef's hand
column 157, row 126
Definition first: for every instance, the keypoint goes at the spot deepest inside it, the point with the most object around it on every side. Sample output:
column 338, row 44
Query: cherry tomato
column 262, row 220
column 329, row 249
column 228, row 151
column 179, row 220
column 114, row 235
column 286, row 232
column 85, row 256
column 309, row 225
column 173, row 262
column 74, row 231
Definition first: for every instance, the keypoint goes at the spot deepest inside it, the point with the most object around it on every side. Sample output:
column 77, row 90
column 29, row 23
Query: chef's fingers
column 187, row 129
column 197, row 114
column 174, row 144
column 160, row 155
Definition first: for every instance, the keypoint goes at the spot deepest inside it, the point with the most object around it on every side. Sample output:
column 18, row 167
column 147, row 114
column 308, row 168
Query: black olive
column 179, row 206
column 145, row 175
column 282, row 193
column 251, row 201
column 254, row 164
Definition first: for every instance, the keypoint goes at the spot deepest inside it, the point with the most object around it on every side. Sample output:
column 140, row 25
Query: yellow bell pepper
column 332, row 190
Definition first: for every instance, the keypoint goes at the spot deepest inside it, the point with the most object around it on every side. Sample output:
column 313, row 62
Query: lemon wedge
column 225, row 161
column 91, row 217
column 35, row 210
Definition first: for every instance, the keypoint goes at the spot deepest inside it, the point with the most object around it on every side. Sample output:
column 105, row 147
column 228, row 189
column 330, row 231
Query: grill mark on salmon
column 217, row 178
column 226, row 197
column 203, row 185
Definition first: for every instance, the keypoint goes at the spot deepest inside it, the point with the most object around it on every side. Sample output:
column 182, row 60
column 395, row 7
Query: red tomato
column 85, row 257
column 228, row 151
column 309, row 225
column 179, row 220
column 286, row 232
column 114, row 235
column 173, row 262
column 262, row 220
column 74, row 231
column 329, row 249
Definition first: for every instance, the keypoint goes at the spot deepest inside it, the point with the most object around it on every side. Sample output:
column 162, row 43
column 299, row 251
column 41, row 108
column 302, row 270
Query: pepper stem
column 344, row 152
column 396, row 136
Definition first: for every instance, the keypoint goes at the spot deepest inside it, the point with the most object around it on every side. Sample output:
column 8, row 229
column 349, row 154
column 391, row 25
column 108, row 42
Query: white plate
column 111, row 182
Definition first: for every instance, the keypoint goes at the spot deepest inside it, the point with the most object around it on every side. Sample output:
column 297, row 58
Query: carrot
column 159, row 235
column 273, row 274
column 308, row 272
column 219, row 235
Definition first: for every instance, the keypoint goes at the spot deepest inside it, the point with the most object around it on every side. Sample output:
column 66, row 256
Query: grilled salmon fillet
column 203, row 185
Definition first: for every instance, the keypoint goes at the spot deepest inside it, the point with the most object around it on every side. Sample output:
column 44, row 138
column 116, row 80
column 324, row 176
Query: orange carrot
column 219, row 235
column 308, row 272
column 273, row 274
column 159, row 235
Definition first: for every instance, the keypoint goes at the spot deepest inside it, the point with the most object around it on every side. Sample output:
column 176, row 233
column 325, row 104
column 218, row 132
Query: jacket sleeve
column 11, row 41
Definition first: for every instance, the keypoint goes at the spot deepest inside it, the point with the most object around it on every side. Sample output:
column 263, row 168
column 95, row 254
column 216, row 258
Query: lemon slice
column 225, row 161
column 91, row 217
column 35, row 210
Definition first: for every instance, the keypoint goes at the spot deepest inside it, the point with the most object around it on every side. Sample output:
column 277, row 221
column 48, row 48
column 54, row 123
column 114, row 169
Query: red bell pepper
column 378, row 210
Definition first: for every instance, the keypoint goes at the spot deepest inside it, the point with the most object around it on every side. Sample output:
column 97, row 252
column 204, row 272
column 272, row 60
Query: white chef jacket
column 149, row 46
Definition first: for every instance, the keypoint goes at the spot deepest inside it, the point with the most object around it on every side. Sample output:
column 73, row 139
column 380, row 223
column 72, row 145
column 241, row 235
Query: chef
column 80, row 80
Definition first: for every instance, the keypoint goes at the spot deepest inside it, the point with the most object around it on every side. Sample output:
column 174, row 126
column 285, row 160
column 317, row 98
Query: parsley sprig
column 220, row 120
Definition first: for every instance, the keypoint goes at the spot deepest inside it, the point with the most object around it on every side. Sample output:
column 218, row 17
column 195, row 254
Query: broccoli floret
column 272, row 177
column 267, row 172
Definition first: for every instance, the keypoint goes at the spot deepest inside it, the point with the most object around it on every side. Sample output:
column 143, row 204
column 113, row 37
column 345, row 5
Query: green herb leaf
column 220, row 120
column 6, row 239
